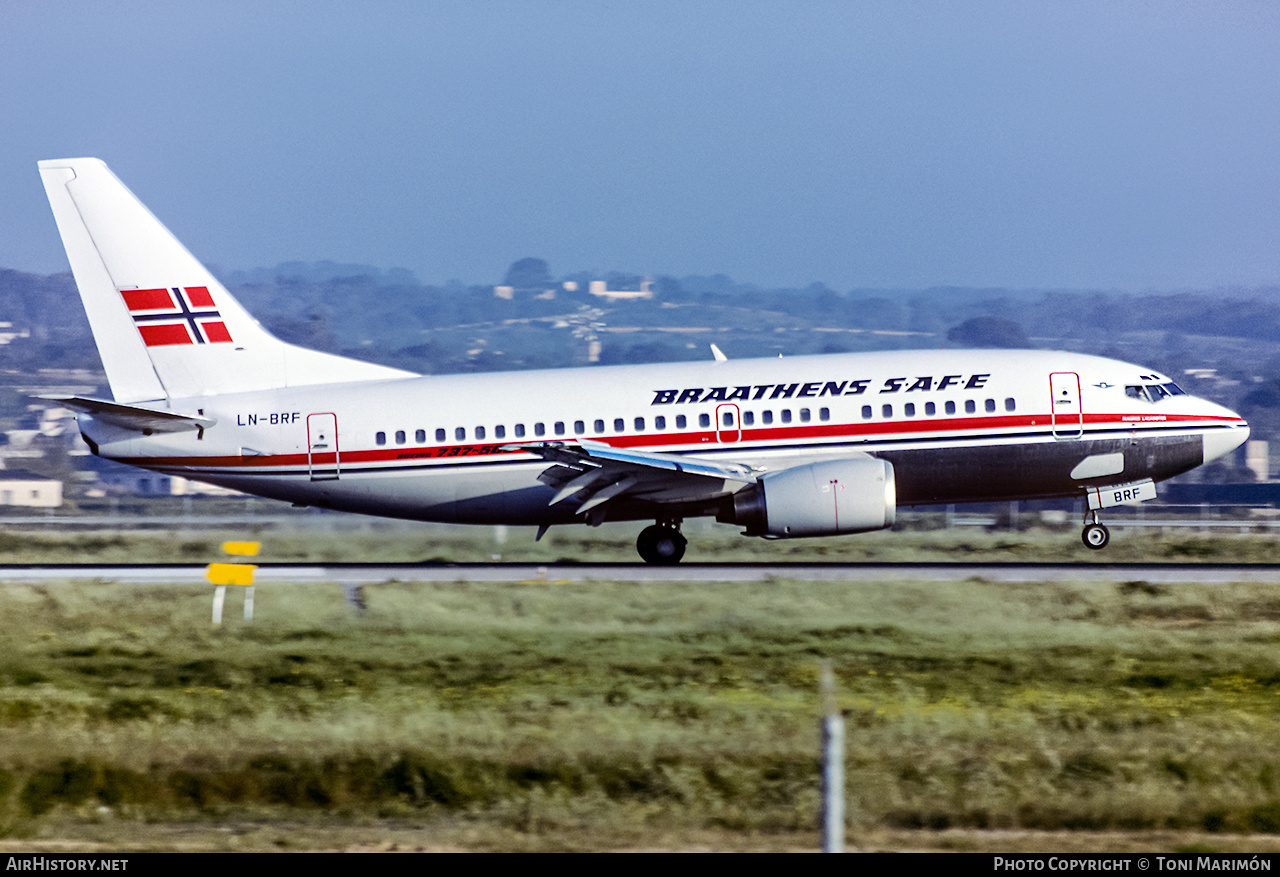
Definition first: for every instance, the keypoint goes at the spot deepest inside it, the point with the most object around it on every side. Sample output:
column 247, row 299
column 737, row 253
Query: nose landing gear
column 662, row 543
column 1095, row 535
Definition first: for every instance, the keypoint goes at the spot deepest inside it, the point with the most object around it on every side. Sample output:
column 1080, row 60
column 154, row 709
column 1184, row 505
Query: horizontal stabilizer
column 133, row 417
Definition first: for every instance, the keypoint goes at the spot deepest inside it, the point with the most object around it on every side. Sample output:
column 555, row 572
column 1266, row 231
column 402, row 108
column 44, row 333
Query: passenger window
column 704, row 420
column 930, row 409
column 748, row 418
column 786, row 415
column 460, row 433
column 519, row 430
column 887, row 411
column 990, row 405
column 824, row 414
column 866, row 412
column 599, row 426
column 579, row 427
column 1009, row 404
column 660, row 422
column 440, row 435
column 950, row 408
column 420, row 436
column 499, row 432
column 619, row 425
column 766, row 417
column 399, row 436
column 380, row 438
column 639, row 424
column 804, row 415
column 727, row 417
column 559, row 427
column 539, row 429
column 479, row 432
column 681, row 421
column 970, row 406
column 909, row 410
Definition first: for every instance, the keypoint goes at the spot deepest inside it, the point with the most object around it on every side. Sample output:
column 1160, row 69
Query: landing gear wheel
column 659, row 544
column 1095, row 536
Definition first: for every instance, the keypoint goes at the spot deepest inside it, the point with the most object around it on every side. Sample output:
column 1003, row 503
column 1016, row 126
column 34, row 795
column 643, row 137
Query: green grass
column 612, row 712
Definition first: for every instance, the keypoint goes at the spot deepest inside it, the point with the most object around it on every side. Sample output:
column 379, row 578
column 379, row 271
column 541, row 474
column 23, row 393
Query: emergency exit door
column 322, row 446
column 728, row 423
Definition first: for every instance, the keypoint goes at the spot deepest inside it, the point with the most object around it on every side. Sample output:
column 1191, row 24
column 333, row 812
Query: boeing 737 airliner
column 803, row 446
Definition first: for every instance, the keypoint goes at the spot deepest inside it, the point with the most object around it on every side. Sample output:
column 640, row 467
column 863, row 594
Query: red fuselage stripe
column 967, row 428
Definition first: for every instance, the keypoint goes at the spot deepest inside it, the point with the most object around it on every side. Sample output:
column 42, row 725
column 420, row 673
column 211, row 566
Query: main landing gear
column 661, row 543
column 1095, row 535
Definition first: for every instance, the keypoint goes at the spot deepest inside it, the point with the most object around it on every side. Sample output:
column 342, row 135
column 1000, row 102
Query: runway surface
column 364, row 574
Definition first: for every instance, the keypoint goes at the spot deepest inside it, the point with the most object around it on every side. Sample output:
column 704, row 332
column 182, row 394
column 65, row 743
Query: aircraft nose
column 1222, row 441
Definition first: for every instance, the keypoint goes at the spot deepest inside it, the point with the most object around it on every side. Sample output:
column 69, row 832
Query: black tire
column 1095, row 536
column 661, row 545
column 644, row 544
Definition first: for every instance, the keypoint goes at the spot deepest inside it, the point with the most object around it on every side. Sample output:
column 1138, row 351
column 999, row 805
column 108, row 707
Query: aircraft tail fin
column 165, row 327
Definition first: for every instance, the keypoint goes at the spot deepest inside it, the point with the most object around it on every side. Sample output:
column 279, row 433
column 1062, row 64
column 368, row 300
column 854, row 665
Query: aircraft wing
column 596, row 473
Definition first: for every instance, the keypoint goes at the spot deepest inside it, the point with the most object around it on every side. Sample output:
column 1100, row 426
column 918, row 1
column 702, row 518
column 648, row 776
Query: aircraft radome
column 783, row 447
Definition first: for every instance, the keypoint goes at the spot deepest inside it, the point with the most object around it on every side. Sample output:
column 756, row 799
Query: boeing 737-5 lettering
column 784, row 448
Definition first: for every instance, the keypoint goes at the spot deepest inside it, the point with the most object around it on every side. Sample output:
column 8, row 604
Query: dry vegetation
column 334, row 537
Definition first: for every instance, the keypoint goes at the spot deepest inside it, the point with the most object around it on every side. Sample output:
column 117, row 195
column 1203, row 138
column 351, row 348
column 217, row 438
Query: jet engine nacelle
column 820, row 499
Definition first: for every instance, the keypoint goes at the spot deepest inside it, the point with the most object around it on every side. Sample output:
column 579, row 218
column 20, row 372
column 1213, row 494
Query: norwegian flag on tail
column 178, row 315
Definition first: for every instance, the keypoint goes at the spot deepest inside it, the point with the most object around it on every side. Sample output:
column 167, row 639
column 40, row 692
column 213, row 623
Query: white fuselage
column 806, row 446
column 958, row 426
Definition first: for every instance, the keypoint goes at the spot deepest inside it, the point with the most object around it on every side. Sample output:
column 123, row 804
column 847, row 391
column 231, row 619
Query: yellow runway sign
column 230, row 573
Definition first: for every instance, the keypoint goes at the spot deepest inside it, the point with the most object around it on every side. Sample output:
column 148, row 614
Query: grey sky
column 905, row 144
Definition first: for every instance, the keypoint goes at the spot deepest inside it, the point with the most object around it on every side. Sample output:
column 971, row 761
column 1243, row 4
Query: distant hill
column 1231, row 338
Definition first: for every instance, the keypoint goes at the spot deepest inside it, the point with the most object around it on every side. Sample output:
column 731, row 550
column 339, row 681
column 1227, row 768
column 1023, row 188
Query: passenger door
column 322, row 446
column 1065, row 411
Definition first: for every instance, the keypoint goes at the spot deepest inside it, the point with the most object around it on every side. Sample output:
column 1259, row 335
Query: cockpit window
column 1153, row 392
